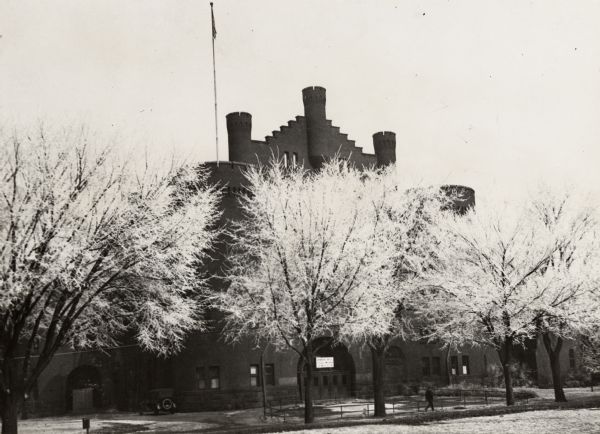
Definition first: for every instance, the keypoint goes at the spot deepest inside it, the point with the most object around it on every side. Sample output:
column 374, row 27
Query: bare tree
column 310, row 259
column 90, row 250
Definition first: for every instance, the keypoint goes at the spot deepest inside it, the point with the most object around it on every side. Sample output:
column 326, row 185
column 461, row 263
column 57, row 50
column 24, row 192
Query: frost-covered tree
column 90, row 250
column 412, row 213
column 310, row 259
column 567, row 307
column 493, row 270
column 590, row 351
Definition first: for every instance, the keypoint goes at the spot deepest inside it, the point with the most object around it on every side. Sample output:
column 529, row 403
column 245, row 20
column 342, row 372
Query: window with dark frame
column 294, row 159
column 214, row 380
column 286, row 158
column 269, row 374
column 436, row 366
column 572, row 364
column 425, row 366
column 200, row 377
column 454, row 365
column 254, row 376
column 466, row 368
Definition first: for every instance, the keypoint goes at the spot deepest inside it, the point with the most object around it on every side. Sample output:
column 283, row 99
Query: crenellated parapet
column 308, row 140
column 314, row 95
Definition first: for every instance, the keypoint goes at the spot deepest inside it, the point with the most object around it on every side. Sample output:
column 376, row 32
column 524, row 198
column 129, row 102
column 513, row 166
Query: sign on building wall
column 324, row 362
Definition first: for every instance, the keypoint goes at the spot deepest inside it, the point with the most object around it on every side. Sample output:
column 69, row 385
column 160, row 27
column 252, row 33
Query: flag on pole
column 212, row 15
column 214, row 35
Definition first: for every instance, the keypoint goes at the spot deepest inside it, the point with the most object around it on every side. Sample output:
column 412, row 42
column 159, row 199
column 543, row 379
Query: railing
column 287, row 408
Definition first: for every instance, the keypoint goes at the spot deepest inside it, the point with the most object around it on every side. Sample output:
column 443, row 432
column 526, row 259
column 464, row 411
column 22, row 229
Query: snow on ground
column 522, row 423
column 551, row 421
column 124, row 424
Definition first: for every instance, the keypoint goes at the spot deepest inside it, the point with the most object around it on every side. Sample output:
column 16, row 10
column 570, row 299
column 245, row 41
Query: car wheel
column 167, row 404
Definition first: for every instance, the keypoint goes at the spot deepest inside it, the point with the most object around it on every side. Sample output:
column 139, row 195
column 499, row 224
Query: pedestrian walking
column 429, row 398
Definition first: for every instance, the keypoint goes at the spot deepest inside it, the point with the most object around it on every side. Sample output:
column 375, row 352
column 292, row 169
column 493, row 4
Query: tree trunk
column 9, row 407
column 263, row 385
column 505, row 353
column 510, row 399
column 378, row 360
column 554, row 356
column 309, row 415
column 448, row 369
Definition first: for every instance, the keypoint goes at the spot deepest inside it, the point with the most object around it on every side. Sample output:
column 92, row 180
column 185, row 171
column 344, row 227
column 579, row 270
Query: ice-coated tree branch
column 91, row 248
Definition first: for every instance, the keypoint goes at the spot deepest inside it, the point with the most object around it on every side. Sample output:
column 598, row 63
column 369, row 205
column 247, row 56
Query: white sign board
column 324, row 362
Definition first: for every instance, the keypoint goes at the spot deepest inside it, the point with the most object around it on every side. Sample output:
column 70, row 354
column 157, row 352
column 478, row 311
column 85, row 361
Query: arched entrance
column 85, row 377
column 333, row 371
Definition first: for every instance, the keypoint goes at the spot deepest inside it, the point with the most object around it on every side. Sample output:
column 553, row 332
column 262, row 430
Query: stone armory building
column 211, row 374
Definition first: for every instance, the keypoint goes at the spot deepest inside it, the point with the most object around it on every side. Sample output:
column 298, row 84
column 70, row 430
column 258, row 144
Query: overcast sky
column 494, row 94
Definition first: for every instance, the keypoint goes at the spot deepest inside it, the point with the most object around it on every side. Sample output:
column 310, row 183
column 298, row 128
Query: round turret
column 314, row 102
column 239, row 129
column 316, row 124
column 384, row 143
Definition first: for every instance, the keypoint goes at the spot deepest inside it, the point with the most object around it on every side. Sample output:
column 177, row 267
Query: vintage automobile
column 159, row 400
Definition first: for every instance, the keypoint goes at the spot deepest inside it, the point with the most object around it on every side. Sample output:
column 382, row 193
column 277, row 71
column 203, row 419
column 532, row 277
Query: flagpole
column 214, row 35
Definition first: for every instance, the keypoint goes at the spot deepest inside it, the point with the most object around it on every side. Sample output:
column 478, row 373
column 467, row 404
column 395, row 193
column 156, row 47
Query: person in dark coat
column 429, row 398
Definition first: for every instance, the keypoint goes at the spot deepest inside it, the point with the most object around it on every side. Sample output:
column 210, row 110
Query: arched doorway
column 84, row 377
column 333, row 371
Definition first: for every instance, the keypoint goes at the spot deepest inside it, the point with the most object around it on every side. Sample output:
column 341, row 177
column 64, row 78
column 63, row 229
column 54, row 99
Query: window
column 294, row 159
column 213, row 377
column 454, row 365
column 425, row 366
column 254, row 376
column 200, row 378
column 286, row 158
column 572, row 358
column 270, row 374
column 436, row 367
column 394, row 356
column 466, row 369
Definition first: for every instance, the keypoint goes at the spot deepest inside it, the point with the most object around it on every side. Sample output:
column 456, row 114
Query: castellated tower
column 317, row 128
column 239, row 129
column 384, row 144
column 307, row 140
